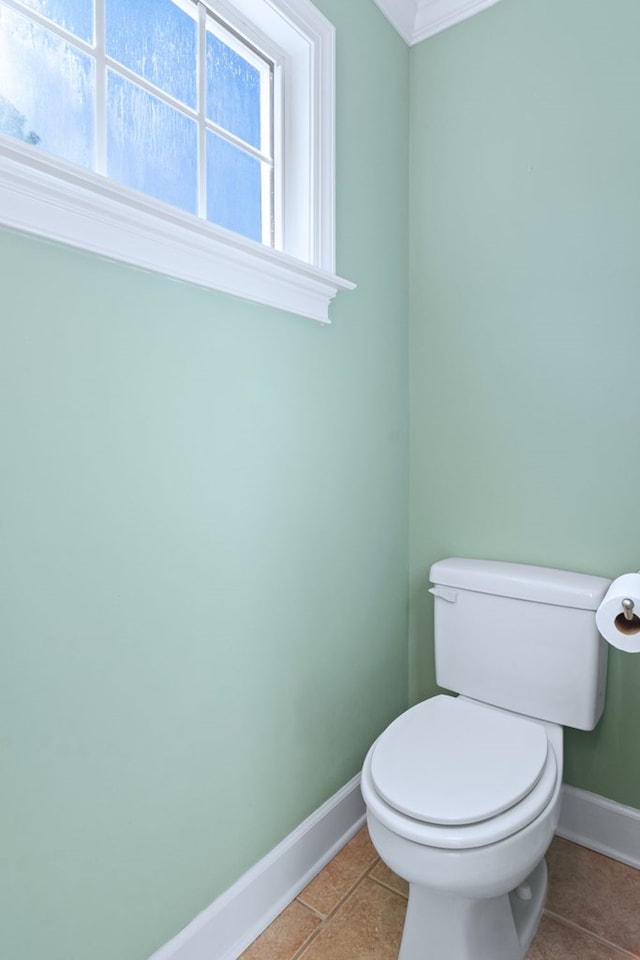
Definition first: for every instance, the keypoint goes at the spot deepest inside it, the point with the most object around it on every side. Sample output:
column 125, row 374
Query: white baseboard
column 241, row 913
column 601, row 825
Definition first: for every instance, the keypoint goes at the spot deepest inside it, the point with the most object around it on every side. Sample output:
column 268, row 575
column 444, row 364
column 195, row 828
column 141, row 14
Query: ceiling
column 416, row 20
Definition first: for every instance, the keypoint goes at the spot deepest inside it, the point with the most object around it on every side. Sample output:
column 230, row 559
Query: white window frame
column 44, row 195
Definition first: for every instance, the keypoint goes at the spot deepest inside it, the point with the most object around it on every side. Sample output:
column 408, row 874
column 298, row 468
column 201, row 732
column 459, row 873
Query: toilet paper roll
column 617, row 629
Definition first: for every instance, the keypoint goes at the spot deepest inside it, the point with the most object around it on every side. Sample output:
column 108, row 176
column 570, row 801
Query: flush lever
column 627, row 608
column 445, row 593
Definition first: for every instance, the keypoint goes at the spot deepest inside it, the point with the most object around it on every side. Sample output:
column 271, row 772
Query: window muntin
column 49, row 197
column 158, row 41
column 159, row 95
column 55, row 106
column 76, row 16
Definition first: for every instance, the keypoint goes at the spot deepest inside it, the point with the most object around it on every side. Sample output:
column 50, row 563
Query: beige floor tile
column 383, row 874
column 368, row 926
column 596, row 893
column 559, row 941
column 340, row 875
column 285, row 936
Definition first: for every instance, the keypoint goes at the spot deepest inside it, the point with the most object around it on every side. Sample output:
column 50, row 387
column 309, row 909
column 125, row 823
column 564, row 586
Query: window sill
column 47, row 197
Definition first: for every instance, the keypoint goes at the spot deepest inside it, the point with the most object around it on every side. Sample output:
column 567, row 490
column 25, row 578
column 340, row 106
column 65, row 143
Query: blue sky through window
column 158, row 41
column 46, row 88
column 76, row 16
column 48, row 98
column 151, row 146
column 233, row 188
column 233, row 91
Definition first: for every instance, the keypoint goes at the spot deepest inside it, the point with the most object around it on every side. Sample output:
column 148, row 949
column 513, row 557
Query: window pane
column 76, row 16
column 233, row 91
column 150, row 146
column 158, row 41
column 46, row 90
column 234, row 194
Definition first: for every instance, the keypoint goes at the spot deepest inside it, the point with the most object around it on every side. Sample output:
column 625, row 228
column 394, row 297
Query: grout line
column 316, row 913
column 388, row 887
column 381, row 883
column 344, row 897
column 329, row 917
column 591, row 934
column 367, row 874
column 391, row 889
column 307, row 943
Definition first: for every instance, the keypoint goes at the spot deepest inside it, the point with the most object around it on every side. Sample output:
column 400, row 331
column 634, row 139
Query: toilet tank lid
column 521, row 581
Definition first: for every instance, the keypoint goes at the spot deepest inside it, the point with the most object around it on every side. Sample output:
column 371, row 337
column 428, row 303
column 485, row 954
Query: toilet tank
column 521, row 637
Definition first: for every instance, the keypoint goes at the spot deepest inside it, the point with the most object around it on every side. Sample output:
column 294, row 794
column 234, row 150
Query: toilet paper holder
column 627, row 608
column 617, row 617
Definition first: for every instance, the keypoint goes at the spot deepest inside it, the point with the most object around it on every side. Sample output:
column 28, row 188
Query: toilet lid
column 453, row 761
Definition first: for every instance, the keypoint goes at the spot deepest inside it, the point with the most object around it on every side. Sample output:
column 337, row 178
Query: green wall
column 203, row 537
column 203, row 554
column 525, row 317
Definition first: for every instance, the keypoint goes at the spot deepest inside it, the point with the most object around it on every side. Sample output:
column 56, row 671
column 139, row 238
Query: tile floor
column 354, row 910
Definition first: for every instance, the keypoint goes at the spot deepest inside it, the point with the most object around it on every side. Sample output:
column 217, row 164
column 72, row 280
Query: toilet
column 462, row 791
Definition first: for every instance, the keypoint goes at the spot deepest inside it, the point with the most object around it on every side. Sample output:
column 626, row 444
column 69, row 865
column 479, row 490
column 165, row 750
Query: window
column 204, row 128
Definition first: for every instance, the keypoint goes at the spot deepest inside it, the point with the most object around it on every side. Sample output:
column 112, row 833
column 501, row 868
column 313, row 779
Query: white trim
column 302, row 40
column 401, row 14
column 434, row 16
column 233, row 921
column 415, row 20
column 58, row 201
column 44, row 195
column 600, row 824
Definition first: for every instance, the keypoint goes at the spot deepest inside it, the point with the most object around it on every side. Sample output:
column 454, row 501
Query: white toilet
column 463, row 792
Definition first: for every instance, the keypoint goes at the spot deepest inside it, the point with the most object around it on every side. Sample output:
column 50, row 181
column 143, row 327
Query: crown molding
column 415, row 20
column 401, row 14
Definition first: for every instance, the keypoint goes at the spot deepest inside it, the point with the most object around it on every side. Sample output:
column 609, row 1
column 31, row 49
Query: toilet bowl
column 462, row 792
column 468, row 828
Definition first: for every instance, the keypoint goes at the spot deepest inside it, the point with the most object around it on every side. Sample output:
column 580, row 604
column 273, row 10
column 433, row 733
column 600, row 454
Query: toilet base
column 499, row 928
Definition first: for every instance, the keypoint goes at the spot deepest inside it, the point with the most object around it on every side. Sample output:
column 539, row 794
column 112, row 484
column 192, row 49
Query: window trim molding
column 44, row 195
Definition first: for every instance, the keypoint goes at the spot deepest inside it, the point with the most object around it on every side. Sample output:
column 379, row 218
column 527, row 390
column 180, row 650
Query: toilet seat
column 454, row 761
column 455, row 773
